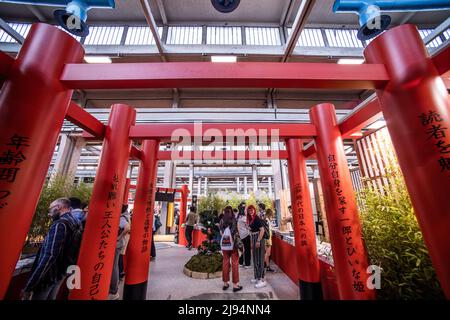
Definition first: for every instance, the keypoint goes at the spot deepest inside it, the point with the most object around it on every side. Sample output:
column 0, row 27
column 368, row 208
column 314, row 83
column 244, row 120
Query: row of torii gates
column 36, row 97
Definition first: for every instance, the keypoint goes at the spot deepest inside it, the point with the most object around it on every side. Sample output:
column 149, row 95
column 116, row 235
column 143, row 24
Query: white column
column 238, row 186
column 68, row 156
column 269, row 181
column 191, row 179
column 284, row 175
column 278, row 183
column 255, row 178
column 199, row 187
column 245, row 186
column 206, row 186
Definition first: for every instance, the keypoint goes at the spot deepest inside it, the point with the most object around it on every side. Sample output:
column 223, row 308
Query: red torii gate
column 35, row 98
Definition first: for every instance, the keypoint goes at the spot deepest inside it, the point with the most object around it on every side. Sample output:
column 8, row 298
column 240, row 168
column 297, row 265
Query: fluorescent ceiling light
column 97, row 59
column 356, row 134
column 223, row 58
column 377, row 125
column 350, row 61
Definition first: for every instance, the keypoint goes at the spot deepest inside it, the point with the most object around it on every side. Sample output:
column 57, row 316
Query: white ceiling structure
column 185, row 32
column 192, row 30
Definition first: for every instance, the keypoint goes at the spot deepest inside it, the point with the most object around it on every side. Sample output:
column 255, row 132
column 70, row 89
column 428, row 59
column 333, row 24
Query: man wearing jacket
column 48, row 271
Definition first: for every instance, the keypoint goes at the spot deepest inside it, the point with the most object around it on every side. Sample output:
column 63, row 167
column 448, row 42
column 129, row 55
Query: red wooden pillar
column 183, row 212
column 416, row 107
column 138, row 251
column 349, row 253
column 303, row 222
column 33, row 104
column 126, row 193
column 99, row 239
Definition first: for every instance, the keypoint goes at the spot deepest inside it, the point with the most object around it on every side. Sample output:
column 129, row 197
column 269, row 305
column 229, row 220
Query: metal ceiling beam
column 437, row 31
column 36, row 12
column 13, row 33
column 299, row 23
column 287, row 11
column 153, row 27
column 162, row 11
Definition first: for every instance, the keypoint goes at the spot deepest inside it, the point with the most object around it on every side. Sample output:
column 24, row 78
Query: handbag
column 238, row 244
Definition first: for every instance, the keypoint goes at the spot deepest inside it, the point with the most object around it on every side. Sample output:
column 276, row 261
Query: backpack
column 266, row 229
column 72, row 246
column 227, row 243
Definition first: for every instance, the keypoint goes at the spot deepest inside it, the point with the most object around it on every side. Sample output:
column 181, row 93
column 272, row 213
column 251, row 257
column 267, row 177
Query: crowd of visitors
column 245, row 240
column 246, row 236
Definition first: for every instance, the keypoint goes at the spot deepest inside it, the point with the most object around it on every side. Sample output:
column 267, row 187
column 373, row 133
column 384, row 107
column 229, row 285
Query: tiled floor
column 167, row 281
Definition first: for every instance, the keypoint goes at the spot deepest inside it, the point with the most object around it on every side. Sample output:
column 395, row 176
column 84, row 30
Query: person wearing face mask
column 49, row 268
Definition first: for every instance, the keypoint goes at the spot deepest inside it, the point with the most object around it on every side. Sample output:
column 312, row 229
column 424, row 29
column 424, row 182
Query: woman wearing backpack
column 257, row 232
column 230, row 244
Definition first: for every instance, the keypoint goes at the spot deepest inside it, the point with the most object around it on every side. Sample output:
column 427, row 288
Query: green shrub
column 209, row 220
column 58, row 187
column 205, row 263
column 212, row 202
column 395, row 243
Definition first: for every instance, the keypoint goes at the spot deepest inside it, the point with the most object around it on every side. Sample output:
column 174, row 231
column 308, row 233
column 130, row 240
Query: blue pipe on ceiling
column 75, row 12
column 371, row 20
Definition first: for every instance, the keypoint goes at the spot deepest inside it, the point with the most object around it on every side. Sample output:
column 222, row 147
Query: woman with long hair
column 258, row 246
column 229, row 245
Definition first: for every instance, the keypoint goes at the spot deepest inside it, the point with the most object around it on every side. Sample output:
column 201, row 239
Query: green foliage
column 395, row 243
column 218, row 201
column 209, row 219
column 212, row 202
column 261, row 197
column 58, row 187
column 233, row 199
column 205, row 263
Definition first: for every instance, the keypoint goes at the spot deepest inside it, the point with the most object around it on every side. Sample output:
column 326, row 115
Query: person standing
column 262, row 210
column 124, row 229
column 258, row 246
column 268, row 217
column 244, row 234
column 156, row 225
column 229, row 244
column 126, row 238
column 77, row 212
column 50, row 265
column 191, row 222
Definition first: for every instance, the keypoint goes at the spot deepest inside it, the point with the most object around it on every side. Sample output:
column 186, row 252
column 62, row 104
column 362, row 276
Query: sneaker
column 254, row 280
column 247, row 267
column 115, row 296
column 269, row 269
column 261, row 284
